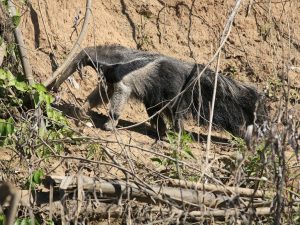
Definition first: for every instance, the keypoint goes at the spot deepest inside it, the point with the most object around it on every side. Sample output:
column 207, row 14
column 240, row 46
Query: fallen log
column 121, row 188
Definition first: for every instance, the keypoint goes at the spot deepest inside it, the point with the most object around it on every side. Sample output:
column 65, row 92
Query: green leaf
column 24, row 2
column 6, row 127
column 2, row 74
column 10, row 126
column 158, row 160
column 7, row 76
column 16, row 20
column 34, row 179
column 36, row 99
column 39, row 88
column 21, row 86
column 2, row 219
column 37, row 176
column 16, row 101
column 10, row 76
column 50, row 113
column 11, row 83
column 26, row 221
column 17, row 222
column 56, row 116
column 42, row 132
column 2, row 128
column 188, row 153
column 49, row 99
column 50, row 222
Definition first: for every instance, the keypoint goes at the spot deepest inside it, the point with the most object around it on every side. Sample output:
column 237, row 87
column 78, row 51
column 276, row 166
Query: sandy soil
column 264, row 42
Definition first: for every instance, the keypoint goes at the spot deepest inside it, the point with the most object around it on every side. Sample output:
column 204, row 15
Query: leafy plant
column 16, row 19
column 94, row 151
column 231, row 70
column 265, row 30
column 180, row 150
column 50, row 222
column 254, row 161
column 16, row 94
column 184, row 141
column 274, row 89
column 296, row 216
column 2, row 219
column 6, row 128
column 25, row 221
column 21, row 88
column 239, row 143
column 35, row 179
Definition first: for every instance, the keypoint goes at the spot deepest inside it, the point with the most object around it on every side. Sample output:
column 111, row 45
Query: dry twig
column 48, row 83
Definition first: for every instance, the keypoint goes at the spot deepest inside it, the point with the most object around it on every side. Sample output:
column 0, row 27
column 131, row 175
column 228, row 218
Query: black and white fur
column 168, row 87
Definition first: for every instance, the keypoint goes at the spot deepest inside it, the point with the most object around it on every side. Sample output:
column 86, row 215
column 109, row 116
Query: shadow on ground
column 100, row 119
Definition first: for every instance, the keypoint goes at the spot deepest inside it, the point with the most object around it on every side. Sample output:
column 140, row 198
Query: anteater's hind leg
column 160, row 120
column 157, row 122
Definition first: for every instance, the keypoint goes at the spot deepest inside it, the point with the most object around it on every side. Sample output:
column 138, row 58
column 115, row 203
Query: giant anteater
column 170, row 89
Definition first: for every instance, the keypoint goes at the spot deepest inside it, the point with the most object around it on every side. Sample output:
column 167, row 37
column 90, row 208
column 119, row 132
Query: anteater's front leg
column 118, row 101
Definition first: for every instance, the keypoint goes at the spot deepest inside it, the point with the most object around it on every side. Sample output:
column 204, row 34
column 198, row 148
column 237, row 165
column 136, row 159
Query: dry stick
column 198, row 215
column 221, row 188
column 45, row 28
column 51, row 201
column 225, row 35
column 104, row 210
column 208, row 187
column 116, row 165
column 23, row 52
column 2, row 51
column 99, row 140
column 80, row 197
column 75, row 48
column 231, row 212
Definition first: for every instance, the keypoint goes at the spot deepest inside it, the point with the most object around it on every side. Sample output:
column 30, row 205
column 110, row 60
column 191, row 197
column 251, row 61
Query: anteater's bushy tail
column 236, row 103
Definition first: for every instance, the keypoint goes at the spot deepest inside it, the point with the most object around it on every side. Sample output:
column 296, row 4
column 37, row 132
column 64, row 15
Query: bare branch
column 48, row 83
column 23, row 52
